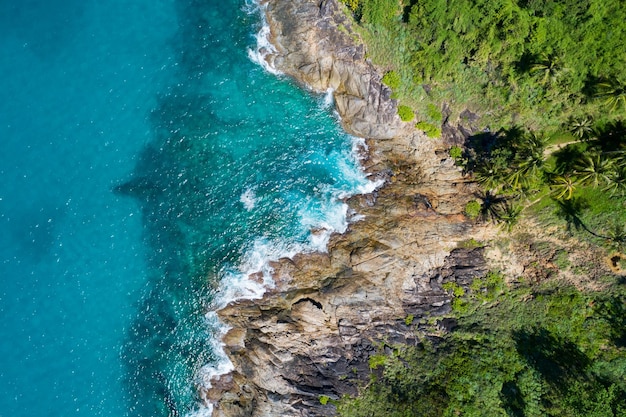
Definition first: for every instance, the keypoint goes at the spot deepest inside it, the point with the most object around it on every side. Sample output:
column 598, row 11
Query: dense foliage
column 544, row 81
column 528, row 62
column 542, row 352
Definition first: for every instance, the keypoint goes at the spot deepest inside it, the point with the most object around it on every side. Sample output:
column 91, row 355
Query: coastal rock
column 312, row 335
column 315, row 44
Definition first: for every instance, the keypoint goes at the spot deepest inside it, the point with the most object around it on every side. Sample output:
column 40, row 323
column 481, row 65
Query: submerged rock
column 313, row 334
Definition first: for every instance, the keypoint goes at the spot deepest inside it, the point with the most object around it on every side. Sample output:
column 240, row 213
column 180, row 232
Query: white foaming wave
column 253, row 276
column 328, row 99
column 359, row 148
column 248, row 199
column 264, row 48
column 321, row 219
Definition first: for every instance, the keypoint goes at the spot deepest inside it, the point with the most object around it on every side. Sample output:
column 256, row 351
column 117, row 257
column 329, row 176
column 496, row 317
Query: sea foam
column 319, row 217
column 264, row 50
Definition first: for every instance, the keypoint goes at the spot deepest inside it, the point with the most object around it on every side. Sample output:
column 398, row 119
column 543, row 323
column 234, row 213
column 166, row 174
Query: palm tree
column 490, row 177
column 492, row 205
column 549, row 69
column 582, row 127
column 510, row 215
column 613, row 92
column 616, row 181
column 563, row 186
column 528, row 161
column 594, row 168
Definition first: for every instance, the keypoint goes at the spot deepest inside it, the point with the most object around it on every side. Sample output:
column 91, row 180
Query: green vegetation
column 405, row 113
column 546, row 81
column 470, row 243
column 431, row 130
column 456, row 152
column 377, row 360
column 472, row 209
column 324, row 399
column 539, row 351
column 533, row 63
column 392, row 80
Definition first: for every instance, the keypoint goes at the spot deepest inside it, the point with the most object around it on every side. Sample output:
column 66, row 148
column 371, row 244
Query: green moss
column 406, row 113
column 324, row 399
column 408, row 320
column 470, row 244
column 472, row 209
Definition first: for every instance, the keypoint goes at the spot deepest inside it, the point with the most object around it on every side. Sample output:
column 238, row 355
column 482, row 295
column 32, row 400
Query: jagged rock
column 314, row 332
column 311, row 48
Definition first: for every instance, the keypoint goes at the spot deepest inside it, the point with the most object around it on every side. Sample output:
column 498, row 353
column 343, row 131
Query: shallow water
column 148, row 164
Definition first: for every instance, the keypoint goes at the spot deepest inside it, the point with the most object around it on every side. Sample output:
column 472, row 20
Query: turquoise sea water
column 147, row 164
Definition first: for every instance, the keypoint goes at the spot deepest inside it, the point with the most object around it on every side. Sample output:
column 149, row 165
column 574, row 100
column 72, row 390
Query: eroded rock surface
column 312, row 335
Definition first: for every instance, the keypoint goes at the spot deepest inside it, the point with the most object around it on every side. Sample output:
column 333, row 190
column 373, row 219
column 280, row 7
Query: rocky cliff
column 312, row 335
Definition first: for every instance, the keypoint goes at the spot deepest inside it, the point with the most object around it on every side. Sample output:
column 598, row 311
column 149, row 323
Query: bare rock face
column 311, row 48
column 313, row 334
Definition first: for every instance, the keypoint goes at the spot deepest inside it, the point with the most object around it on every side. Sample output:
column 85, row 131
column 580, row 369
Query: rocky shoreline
column 312, row 335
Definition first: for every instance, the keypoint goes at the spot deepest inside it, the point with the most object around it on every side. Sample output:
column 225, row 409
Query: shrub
column 324, row 399
column 455, row 289
column 472, row 209
column 431, row 130
column 408, row 320
column 456, row 152
column 392, row 80
column 352, row 4
column 405, row 113
column 377, row 360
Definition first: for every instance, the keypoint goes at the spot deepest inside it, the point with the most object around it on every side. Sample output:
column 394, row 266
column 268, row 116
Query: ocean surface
column 148, row 164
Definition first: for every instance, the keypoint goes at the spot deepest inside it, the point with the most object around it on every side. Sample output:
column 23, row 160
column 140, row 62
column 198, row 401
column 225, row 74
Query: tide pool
column 148, row 165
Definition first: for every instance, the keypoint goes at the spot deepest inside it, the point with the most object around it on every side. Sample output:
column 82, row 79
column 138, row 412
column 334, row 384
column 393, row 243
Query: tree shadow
column 613, row 310
column 512, row 399
column 565, row 157
column 571, row 210
column 611, row 136
column 559, row 361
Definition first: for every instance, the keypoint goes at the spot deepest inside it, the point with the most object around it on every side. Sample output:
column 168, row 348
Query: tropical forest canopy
column 537, row 63
column 545, row 85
